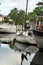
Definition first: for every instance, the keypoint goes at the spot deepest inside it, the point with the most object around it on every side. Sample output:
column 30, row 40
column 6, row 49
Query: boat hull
column 7, row 32
column 39, row 38
column 21, row 39
column 7, row 29
column 38, row 33
column 7, row 38
column 25, row 40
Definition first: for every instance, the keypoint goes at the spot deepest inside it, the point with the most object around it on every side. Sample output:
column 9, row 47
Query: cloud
column 32, row 5
column 12, row 5
column 7, row 5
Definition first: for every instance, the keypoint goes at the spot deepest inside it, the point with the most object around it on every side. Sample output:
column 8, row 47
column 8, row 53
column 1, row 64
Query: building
column 11, row 21
column 1, row 18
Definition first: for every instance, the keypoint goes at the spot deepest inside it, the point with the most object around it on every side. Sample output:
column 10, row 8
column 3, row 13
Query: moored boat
column 24, row 39
column 10, row 39
column 39, row 38
column 21, row 38
column 38, row 33
column 6, row 28
column 38, row 28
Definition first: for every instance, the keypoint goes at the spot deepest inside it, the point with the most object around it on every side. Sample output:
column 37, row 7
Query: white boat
column 31, row 40
column 21, row 38
column 26, row 39
column 8, row 39
column 6, row 28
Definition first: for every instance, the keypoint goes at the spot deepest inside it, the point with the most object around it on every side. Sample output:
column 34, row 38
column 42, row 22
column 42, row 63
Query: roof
column 39, row 16
column 1, row 15
column 39, row 3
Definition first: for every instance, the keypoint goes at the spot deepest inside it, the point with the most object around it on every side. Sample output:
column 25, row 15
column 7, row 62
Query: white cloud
column 32, row 5
column 7, row 5
column 11, row 5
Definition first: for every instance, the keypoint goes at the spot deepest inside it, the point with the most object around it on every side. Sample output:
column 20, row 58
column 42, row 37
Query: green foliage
column 38, row 10
column 31, row 16
column 6, row 19
column 13, row 14
column 17, row 16
column 21, row 17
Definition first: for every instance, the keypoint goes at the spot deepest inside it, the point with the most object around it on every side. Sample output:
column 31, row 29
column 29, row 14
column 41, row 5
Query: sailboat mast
column 26, row 6
column 26, row 13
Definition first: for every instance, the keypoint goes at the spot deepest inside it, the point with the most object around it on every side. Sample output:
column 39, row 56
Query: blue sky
column 7, row 5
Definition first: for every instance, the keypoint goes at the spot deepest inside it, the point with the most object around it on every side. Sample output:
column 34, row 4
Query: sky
column 7, row 5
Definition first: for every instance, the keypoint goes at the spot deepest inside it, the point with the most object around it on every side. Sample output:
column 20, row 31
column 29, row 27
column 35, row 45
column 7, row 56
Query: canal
column 10, row 56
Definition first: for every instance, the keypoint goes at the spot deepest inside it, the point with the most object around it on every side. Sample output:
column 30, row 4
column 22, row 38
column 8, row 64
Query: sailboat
column 23, row 36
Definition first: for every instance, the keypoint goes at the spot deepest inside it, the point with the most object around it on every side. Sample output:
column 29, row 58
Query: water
column 9, row 56
column 12, row 56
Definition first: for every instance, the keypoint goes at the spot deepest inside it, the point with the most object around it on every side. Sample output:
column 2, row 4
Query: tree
column 6, row 19
column 17, row 15
column 37, row 11
column 13, row 14
column 31, row 16
column 21, row 16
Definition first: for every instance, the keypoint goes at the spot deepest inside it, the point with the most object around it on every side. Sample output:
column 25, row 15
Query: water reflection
column 9, row 56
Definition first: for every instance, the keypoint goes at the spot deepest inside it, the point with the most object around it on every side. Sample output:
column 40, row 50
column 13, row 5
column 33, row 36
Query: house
column 1, row 18
column 11, row 21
